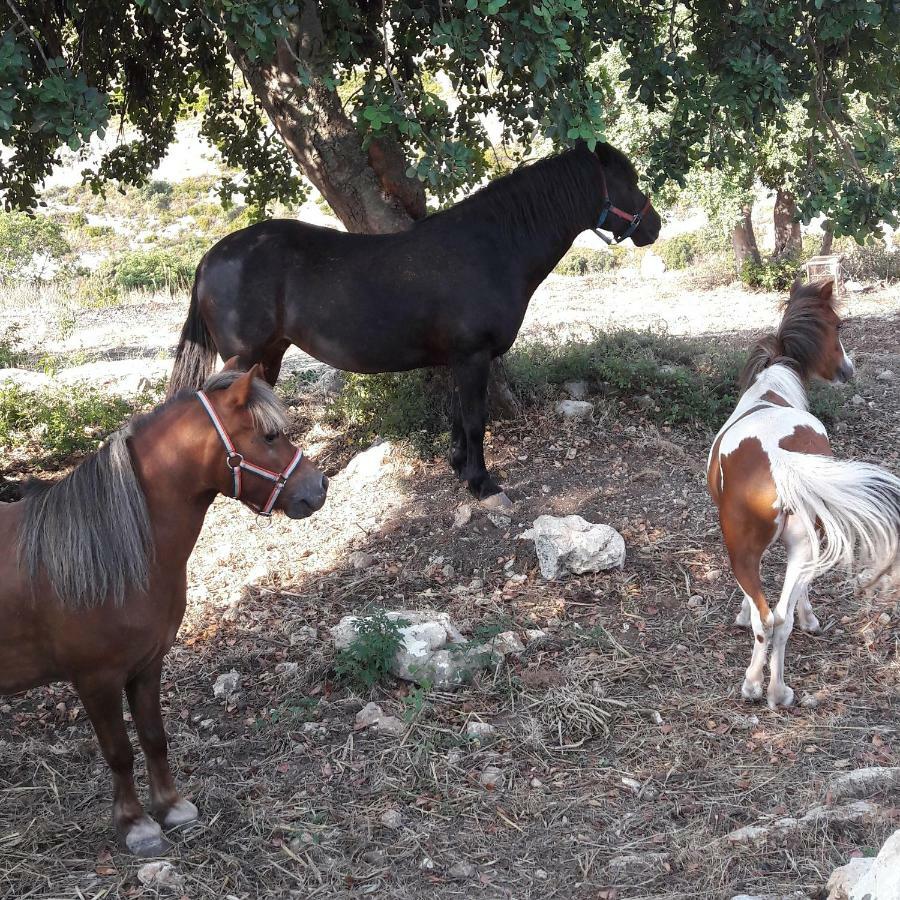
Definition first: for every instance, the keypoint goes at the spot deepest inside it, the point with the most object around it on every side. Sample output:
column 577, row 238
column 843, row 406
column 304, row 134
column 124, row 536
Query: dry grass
column 621, row 733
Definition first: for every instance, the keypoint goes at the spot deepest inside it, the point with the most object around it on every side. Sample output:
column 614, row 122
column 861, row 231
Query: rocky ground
column 621, row 763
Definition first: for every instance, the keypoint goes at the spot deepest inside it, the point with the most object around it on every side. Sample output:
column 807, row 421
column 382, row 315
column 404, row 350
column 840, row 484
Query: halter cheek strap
column 634, row 219
column 236, row 462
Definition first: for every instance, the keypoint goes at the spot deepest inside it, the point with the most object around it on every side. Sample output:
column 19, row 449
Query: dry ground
column 589, row 773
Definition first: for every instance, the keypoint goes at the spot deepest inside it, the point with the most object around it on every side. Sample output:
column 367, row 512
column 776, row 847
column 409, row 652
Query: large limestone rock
column 866, row 878
column 572, row 544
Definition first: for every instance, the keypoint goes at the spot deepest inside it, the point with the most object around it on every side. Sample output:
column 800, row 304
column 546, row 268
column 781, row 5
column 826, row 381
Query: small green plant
column 416, row 700
column 584, row 261
column 171, row 268
column 770, row 274
column 367, row 660
column 24, row 238
column 11, row 357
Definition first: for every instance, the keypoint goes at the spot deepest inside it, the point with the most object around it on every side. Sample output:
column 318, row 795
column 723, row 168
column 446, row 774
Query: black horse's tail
column 196, row 353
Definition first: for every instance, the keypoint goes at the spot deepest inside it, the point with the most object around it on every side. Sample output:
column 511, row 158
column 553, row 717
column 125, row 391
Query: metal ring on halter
column 233, row 456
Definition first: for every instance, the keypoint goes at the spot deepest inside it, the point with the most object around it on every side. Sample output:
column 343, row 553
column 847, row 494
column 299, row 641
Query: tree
column 341, row 91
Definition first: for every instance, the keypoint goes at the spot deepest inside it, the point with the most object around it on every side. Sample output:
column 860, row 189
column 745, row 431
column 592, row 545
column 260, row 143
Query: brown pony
column 772, row 475
column 93, row 591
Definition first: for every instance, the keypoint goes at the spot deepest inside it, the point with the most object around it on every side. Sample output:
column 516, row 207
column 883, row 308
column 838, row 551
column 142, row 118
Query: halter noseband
column 236, row 462
column 634, row 218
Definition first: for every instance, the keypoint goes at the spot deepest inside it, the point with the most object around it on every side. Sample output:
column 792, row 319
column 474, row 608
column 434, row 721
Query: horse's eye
column 271, row 437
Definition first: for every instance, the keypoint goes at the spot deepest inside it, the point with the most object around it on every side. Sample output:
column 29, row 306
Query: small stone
column 886, row 375
column 498, row 502
column 755, row 835
column 461, row 870
column 859, row 811
column 479, row 730
column 857, row 400
column 304, row 635
column 463, row 515
column 508, row 642
column 226, row 685
column 536, row 783
column 695, row 601
column 160, row 874
column 391, row 725
column 713, row 575
column 541, row 874
column 577, row 390
column 491, row 778
column 572, row 544
column 360, row 560
column 535, row 635
column 884, row 619
column 369, row 715
column 287, row 668
column 571, row 453
column 313, row 729
column 574, row 409
column 392, row 819
column 809, row 701
column 645, row 402
column 427, row 863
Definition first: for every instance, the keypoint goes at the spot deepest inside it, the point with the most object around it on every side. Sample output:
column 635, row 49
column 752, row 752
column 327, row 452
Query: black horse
column 451, row 291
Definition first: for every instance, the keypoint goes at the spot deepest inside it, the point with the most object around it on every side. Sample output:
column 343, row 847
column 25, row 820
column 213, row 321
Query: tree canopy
column 803, row 92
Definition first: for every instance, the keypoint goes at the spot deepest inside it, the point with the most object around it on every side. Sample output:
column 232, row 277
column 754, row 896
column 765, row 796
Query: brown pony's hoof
column 497, row 502
column 179, row 814
column 145, row 838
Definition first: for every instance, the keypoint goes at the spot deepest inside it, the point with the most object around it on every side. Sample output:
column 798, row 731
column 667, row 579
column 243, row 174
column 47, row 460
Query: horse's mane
column 90, row 531
column 799, row 339
column 553, row 193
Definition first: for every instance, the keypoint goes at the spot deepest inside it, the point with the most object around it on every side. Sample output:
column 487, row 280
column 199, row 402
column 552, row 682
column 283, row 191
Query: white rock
column 371, row 464
column 882, row 879
column 577, row 390
column 862, row 783
column 226, row 685
column 287, row 668
column 507, row 642
column 427, row 863
column 575, row 409
column 857, row 400
column 755, row 835
column 886, row 375
column 391, row 725
column 331, row 381
column 571, row 544
column 463, row 515
column 392, row 819
column 491, row 778
column 479, row 729
column 652, row 264
column 461, row 870
column 369, row 715
column 498, row 502
column 859, row 811
column 305, row 634
column 845, row 878
column 360, row 560
column 535, row 635
column 160, row 874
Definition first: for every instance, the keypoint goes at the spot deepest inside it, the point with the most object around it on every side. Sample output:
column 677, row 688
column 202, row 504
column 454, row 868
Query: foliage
column 805, row 92
column 172, row 268
column 771, row 274
column 10, row 356
column 367, row 660
column 24, row 237
column 584, row 261
column 872, row 261
column 59, row 421
column 683, row 250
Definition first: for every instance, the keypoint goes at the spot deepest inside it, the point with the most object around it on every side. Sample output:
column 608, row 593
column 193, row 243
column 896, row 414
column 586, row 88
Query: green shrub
column 59, row 421
column 367, row 660
column 771, row 274
column 22, row 236
column 162, row 267
column 95, row 231
column 871, row 262
column 584, row 261
column 10, row 356
column 684, row 250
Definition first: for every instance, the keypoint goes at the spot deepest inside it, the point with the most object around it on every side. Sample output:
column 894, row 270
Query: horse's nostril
column 324, row 482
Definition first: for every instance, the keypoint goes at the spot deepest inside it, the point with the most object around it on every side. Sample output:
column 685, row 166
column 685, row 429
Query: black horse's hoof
column 497, row 502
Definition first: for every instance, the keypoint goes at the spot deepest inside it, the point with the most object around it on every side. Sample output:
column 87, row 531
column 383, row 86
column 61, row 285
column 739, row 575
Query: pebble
column 491, row 778
column 884, row 619
column 886, row 375
column 392, row 819
column 463, row 515
column 427, row 863
column 391, row 725
column 536, row 783
column 160, row 874
column 305, row 634
column 369, row 715
column 360, row 560
column 533, row 635
column 480, row 729
column 857, row 400
column 226, row 685
column 462, row 870
column 695, row 601
column 713, row 575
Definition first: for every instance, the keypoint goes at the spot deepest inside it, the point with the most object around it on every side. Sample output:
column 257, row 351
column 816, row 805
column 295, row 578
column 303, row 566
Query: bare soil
column 620, row 733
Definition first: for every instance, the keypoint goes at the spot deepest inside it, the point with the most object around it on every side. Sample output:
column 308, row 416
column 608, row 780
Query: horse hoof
column 742, row 621
column 181, row 813
column 783, row 696
column 145, row 838
column 751, row 690
column 497, row 502
column 812, row 626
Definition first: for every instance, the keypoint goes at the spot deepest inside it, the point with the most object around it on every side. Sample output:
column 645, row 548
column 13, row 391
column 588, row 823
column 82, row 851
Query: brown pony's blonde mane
column 800, row 338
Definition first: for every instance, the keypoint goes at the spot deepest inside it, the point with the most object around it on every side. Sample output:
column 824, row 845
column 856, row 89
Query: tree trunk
column 827, row 240
column 368, row 191
column 743, row 239
column 787, row 229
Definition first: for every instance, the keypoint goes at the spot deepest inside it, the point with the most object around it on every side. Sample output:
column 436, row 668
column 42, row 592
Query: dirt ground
column 625, row 752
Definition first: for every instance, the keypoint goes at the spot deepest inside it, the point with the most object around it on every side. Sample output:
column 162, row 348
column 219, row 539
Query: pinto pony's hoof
column 751, row 690
column 497, row 501
column 145, row 838
column 780, row 696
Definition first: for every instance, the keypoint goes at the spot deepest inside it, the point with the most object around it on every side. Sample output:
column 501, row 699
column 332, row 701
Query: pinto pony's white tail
column 850, row 510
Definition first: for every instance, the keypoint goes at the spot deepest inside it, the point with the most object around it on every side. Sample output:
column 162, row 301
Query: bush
column 584, row 261
column 23, row 238
column 60, row 422
column 171, row 268
column 771, row 274
column 10, row 356
column 872, row 262
column 367, row 661
column 684, row 250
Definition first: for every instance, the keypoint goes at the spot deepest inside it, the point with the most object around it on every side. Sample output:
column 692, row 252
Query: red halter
column 235, row 461
column 634, row 218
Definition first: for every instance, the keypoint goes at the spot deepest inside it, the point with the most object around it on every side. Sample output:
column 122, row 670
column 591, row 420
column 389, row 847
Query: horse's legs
column 806, row 618
column 458, row 448
column 271, row 359
column 143, row 698
column 102, row 699
column 471, row 379
column 743, row 617
column 796, row 584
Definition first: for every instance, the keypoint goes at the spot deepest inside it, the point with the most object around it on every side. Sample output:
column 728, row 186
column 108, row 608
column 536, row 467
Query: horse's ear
column 231, row 365
column 826, row 291
column 242, row 386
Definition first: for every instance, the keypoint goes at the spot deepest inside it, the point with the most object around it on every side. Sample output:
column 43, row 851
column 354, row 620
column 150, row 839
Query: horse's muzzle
column 307, row 498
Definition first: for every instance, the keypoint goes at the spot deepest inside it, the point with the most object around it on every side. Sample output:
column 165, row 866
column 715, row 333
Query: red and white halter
column 236, row 462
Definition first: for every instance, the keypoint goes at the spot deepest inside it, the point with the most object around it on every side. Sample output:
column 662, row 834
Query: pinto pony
column 96, row 592
column 772, row 476
column 451, row 291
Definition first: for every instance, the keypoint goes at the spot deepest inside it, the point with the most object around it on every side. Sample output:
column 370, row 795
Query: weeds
column 770, row 274
column 367, row 660
column 10, row 356
column 584, row 261
column 171, row 268
column 28, row 244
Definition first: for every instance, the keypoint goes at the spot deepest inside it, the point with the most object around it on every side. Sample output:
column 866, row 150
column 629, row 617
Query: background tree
column 347, row 86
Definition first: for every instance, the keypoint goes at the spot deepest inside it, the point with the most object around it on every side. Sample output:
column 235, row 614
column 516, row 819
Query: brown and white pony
column 772, row 476
column 96, row 592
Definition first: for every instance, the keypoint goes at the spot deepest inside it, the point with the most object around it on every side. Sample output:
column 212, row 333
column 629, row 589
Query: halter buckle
column 229, row 460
